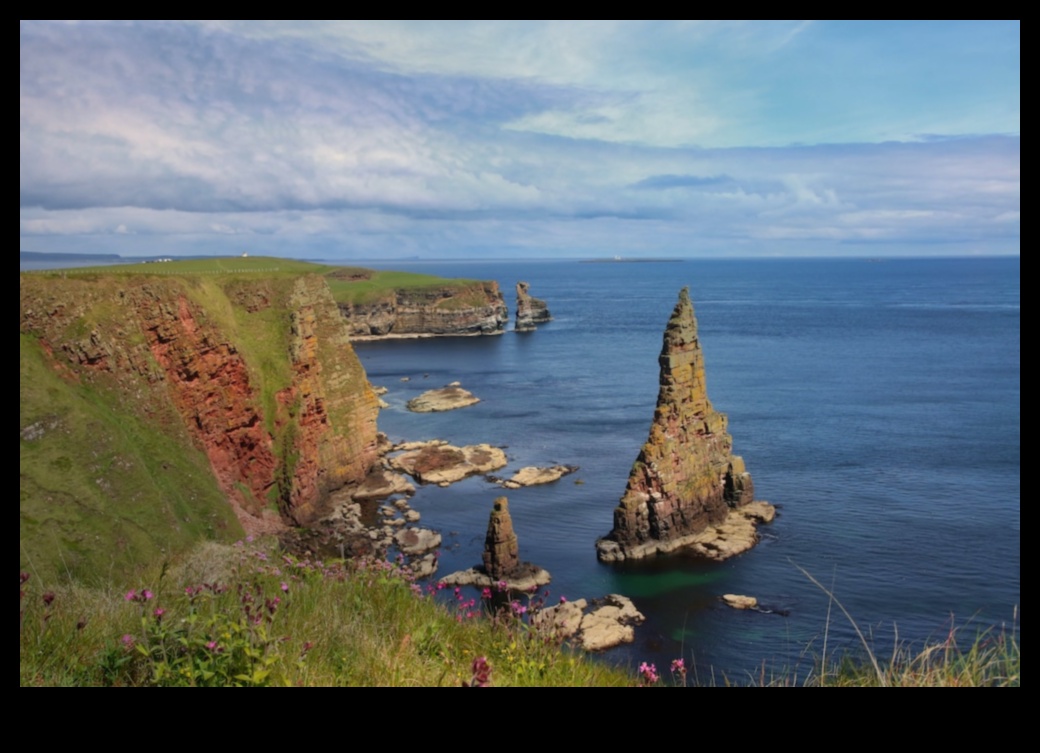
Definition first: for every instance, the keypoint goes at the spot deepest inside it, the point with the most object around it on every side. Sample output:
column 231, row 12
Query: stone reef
column 529, row 311
column 474, row 309
column 686, row 479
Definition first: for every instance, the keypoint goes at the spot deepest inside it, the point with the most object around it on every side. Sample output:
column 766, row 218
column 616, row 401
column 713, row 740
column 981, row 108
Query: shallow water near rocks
column 876, row 403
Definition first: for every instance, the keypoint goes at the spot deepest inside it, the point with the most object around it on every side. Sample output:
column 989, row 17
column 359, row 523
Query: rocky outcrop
column 475, row 308
column 259, row 369
column 609, row 624
column 686, row 479
column 535, row 476
column 529, row 311
column 437, row 462
column 447, row 398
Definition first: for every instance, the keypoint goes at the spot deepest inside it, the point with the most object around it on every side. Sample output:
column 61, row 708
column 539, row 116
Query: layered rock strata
column 530, row 311
column 259, row 370
column 686, row 479
column 474, row 309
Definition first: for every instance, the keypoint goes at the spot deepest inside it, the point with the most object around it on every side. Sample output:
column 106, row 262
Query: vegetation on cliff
column 153, row 395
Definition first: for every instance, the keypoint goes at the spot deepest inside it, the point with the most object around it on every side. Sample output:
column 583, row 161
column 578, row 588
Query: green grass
column 334, row 624
column 251, row 265
column 358, row 286
column 102, row 489
column 245, row 615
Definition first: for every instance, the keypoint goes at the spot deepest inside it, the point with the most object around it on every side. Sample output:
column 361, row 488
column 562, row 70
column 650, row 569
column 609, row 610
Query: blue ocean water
column 876, row 403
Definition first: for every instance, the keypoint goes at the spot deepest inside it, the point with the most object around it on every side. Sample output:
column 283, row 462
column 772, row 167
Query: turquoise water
column 876, row 403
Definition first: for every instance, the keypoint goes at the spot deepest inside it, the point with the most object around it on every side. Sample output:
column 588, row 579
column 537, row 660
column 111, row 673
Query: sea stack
column 686, row 481
column 529, row 311
column 501, row 550
column 501, row 568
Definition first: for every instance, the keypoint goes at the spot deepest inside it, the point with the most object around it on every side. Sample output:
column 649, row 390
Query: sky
column 391, row 140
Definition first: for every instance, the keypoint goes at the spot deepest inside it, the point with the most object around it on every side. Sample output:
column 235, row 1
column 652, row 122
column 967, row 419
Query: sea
column 876, row 403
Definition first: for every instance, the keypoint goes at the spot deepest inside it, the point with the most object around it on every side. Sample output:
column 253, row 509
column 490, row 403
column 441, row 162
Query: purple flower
column 128, row 641
column 486, row 593
column 146, row 595
column 285, row 586
column 131, row 595
column 481, row 673
column 48, row 598
column 678, row 667
column 649, row 673
column 159, row 612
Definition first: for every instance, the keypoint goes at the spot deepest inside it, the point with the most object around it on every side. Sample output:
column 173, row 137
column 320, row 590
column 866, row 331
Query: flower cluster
column 648, row 674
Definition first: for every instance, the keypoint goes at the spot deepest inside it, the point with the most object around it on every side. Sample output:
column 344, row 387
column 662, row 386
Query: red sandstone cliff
column 261, row 373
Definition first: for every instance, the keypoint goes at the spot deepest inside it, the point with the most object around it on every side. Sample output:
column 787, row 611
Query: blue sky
column 382, row 140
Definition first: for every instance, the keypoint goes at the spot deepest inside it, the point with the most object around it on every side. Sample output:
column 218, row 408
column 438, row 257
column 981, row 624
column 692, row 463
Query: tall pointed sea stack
column 686, row 479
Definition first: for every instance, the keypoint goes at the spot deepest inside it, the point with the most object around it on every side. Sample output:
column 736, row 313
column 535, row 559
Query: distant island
column 624, row 259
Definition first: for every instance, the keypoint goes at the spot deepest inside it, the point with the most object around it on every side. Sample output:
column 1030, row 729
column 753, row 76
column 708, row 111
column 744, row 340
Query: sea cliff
column 154, row 406
column 381, row 304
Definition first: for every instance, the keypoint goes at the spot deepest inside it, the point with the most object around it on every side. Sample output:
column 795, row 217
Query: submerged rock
column 529, row 311
column 686, row 482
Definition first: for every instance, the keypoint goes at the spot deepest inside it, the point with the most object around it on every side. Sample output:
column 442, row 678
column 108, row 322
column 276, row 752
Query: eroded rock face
column 178, row 341
column 476, row 309
column 529, row 311
column 501, row 550
column 686, row 478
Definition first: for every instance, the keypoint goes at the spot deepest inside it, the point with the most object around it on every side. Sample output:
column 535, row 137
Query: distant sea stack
column 686, row 485
column 529, row 311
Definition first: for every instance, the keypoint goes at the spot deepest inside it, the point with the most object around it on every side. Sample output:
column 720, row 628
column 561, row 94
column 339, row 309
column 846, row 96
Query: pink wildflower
column 649, row 673
column 285, row 586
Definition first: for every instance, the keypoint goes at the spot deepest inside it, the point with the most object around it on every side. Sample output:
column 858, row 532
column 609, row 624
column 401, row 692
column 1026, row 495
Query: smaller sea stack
column 501, row 549
column 529, row 311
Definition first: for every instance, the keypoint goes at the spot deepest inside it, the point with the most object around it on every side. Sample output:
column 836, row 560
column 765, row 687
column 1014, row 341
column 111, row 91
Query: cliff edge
column 155, row 406
column 686, row 480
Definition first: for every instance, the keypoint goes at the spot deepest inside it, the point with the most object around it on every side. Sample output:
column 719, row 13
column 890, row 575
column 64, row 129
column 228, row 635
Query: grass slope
column 104, row 491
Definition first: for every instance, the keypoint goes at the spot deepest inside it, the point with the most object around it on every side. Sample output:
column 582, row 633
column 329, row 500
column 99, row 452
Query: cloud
column 376, row 139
